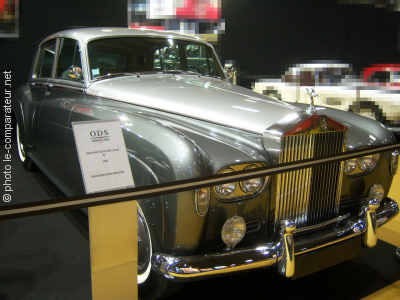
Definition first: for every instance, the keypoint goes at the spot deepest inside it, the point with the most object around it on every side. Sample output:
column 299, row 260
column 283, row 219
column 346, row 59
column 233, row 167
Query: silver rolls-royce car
column 182, row 119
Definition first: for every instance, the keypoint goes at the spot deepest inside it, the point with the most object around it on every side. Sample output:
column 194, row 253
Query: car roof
column 316, row 67
column 86, row 34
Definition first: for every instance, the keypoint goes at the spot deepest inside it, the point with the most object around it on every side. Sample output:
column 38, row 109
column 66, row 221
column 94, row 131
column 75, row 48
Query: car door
column 39, row 90
column 62, row 95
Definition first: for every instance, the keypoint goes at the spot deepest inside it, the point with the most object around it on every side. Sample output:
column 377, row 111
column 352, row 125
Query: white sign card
column 102, row 155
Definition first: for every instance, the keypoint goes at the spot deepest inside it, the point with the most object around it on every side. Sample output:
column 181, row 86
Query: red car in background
column 383, row 75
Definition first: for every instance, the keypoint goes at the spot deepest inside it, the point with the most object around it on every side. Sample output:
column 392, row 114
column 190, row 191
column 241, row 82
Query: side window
column 396, row 77
column 199, row 60
column 47, row 61
column 379, row 77
column 69, row 56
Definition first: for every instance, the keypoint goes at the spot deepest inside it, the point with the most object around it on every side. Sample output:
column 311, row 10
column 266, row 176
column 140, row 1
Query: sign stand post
column 113, row 227
column 113, row 250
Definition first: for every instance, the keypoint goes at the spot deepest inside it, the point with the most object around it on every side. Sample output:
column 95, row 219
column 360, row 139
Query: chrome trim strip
column 53, row 85
column 314, row 227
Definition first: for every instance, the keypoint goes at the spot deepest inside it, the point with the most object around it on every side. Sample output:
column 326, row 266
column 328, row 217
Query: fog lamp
column 377, row 192
column 368, row 163
column 253, row 184
column 233, row 231
column 227, row 189
column 202, row 199
column 350, row 165
column 394, row 162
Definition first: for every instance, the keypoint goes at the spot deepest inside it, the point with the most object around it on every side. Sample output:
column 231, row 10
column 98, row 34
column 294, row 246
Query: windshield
column 140, row 55
column 379, row 77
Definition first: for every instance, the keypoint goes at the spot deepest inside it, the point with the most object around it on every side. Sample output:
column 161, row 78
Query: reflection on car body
column 181, row 119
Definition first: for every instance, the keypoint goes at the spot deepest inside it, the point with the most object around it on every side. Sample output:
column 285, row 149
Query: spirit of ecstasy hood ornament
column 311, row 110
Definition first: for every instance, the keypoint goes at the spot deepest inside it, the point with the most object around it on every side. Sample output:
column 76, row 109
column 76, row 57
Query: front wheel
column 25, row 160
column 151, row 285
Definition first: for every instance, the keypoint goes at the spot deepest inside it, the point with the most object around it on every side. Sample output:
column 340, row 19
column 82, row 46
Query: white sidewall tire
column 22, row 156
column 143, row 277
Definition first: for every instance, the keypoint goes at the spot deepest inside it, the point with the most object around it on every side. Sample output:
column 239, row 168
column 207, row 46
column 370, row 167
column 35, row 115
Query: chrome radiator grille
column 310, row 196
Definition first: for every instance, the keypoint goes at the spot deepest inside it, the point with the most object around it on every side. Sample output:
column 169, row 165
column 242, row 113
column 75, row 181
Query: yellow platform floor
column 390, row 233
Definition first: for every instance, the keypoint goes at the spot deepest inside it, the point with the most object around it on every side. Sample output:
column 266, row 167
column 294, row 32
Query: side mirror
column 230, row 72
column 75, row 72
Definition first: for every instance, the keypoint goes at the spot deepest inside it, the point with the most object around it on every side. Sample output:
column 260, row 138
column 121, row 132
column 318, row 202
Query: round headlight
column 394, row 162
column 368, row 163
column 350, row 165
column 253, row 184
column 233, row 231
column 202, row 201
column 226, row 189
column 377, row 192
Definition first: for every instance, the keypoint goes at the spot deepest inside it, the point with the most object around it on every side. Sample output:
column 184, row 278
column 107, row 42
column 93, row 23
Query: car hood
column 203, row 98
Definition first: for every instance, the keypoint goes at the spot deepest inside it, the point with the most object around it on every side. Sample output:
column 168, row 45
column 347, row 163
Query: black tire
column 25, row 160
column 151, row 285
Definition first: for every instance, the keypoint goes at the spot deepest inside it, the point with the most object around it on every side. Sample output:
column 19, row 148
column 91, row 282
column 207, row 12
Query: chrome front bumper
column 283, row 250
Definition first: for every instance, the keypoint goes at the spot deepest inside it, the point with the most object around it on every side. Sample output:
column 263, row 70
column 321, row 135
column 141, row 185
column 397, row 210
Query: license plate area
column 317, row 260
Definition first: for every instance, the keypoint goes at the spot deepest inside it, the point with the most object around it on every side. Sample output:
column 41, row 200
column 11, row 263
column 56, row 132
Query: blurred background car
column 376, row 94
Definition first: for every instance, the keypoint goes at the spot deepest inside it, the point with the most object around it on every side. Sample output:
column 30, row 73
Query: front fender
column 22, row 105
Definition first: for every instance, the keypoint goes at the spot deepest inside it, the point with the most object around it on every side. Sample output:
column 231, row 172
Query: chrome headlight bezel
column 244, row 184
column 202, row 201
column 394, row 162
column 240, row 192
column 350, row 165
column 228, row 187
column 362, row 166
column 368, row 162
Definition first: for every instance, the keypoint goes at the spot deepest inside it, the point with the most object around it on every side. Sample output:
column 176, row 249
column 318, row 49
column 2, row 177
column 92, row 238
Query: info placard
column 102, row 155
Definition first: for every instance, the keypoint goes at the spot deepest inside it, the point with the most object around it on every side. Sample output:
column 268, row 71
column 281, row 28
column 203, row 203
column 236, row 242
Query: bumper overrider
column 288, row 244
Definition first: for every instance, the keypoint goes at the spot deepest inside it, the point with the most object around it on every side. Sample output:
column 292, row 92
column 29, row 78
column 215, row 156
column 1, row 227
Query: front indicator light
column 253, row 184
column 377, row 192
column 394, row 162
column 233, row 231
column 202, row 199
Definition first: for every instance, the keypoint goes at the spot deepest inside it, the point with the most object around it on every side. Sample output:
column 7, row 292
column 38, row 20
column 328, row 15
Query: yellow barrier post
column 113, row 250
